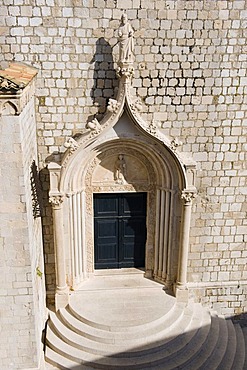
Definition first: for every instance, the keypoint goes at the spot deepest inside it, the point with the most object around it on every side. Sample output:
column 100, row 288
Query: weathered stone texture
column 190, row 71
column 22, row 292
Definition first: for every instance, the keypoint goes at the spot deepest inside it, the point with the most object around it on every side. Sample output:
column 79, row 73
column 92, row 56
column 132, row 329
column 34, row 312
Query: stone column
column 62, row 291
column 181, row 289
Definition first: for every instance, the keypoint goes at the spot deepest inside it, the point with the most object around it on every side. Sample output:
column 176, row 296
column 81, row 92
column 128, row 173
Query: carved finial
column 71, row 144
column 126, row 41
column 94, row 126
column 113, row 106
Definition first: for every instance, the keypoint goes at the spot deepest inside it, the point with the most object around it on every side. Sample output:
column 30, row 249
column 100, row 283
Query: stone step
column 241, row 353
column 216, row 356
column 106, row 333
column 227, row 361
column 244, row 330
column 122, row 309
column 174, row 347
column 120, row 341
column 206, row 348
column 199, row 346
column 60, row 362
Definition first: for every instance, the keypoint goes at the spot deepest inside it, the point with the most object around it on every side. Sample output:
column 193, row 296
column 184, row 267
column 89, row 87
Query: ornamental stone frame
column 153, row 165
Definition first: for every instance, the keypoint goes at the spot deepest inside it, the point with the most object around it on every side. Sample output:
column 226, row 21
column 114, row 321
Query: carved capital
column 56, row 200
column 187, row 196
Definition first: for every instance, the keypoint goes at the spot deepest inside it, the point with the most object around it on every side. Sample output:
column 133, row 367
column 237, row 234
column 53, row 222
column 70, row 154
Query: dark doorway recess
column 119, row 230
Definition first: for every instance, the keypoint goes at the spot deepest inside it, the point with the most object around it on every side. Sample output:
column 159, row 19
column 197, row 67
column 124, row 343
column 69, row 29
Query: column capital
column 56, row 200
column 187, row 196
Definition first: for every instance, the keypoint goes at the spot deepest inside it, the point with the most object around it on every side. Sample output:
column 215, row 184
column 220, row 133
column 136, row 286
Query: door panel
column 120, row 230
column 106, row 234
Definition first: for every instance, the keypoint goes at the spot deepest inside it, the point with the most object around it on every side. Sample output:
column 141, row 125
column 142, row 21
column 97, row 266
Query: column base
column 182, row 295
column 61, row 299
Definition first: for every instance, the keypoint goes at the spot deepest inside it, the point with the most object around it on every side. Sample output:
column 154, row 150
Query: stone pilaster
column 62, row 292
column 181, row 288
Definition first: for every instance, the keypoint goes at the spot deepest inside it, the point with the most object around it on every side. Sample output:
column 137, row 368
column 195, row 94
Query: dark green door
column 119, row 230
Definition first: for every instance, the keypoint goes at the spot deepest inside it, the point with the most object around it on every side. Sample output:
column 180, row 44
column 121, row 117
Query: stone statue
column 126, row 41
column 120, row 169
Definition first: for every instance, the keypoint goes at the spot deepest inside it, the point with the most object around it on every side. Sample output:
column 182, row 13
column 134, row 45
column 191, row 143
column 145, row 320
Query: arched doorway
column 122, row 155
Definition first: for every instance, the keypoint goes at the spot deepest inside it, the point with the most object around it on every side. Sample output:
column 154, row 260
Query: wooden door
column 119, row 230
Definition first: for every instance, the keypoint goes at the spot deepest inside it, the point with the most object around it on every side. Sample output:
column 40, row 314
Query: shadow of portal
column 104, row 76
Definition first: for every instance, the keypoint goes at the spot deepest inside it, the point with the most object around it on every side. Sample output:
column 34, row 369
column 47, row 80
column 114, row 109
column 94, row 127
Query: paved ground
column 120, row 297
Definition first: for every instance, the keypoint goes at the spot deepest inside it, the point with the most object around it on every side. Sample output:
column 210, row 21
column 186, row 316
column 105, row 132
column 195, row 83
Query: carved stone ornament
column 94, row 126
column 152, row 128
column 71, row 144
column 126, row 71
column 188, row 196
column 113, row 106
column 56, row 200
column 136, row 105
column 175, row 143
column 6, row 84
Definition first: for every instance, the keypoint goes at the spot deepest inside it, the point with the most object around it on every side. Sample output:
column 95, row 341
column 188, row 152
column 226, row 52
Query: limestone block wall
column 22, row 290
column 190, row 72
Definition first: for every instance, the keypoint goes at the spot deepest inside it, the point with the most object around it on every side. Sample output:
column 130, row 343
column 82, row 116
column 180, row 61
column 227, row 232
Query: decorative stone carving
column 94, row 126
column 152, row 128
column 126, row 42
column 136, row 105
column 6, row 84
column 187, row 196
column 56, row 200
column 120, row 170
column 113, row 106
column 127, row 71
column 175, row 143
column 71, row 144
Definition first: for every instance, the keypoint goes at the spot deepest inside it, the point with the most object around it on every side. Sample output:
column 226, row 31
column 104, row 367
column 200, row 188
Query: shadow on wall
column 104, row 77
column 48, row 244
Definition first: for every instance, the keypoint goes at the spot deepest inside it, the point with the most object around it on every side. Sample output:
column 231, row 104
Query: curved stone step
column 121, row 344
column 156, row 356
column 227, row 361
column 240, row 360
column 61, row 362
column 108, row 334
column 244, row 331
column 216, row 356
column 206, row 349
column 84, row 314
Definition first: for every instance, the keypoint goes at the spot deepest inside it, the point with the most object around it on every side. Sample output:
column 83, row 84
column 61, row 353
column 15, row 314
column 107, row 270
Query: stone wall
column 190, row 71
column 22, row 292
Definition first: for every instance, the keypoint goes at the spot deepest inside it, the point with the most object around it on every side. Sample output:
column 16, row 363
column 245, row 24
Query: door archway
column 121, row 155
